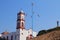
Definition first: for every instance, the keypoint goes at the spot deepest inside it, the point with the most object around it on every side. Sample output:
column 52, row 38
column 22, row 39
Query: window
column 7, row 37
column 12, row 37
column 22, row 33
column 22, row 24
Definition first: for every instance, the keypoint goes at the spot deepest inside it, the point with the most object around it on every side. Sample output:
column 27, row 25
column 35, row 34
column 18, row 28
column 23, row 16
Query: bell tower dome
column 20, row 20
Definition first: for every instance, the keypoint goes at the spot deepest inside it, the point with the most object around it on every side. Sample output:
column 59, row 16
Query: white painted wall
column 25, row 34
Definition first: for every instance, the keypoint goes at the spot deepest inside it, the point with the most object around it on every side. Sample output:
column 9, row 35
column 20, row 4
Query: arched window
column 22, row 24
column 7, row 37
column 12, row 37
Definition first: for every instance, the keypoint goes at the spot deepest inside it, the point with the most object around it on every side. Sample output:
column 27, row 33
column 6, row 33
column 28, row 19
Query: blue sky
column 49, row 11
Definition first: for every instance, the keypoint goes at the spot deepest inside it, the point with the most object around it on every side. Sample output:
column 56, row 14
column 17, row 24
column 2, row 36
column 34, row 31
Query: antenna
column 32, row 17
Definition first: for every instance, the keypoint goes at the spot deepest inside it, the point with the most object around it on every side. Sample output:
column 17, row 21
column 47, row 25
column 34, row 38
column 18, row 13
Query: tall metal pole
column 32, row 17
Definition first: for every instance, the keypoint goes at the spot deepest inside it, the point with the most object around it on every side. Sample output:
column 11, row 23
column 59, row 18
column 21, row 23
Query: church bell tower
column 20, row 20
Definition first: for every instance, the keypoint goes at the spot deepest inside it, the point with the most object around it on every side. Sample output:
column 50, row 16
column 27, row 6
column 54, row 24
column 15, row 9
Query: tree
column 41, row 32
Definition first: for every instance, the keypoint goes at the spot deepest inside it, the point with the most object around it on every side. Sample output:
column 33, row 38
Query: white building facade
column 21, row 33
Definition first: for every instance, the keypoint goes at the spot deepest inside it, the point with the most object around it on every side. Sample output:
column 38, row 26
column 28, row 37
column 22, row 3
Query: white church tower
column 20, row 25
column 22, row 33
